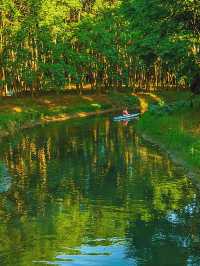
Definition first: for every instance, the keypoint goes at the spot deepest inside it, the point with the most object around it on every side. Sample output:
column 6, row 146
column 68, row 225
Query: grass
column 16, row 112
column 175, row 126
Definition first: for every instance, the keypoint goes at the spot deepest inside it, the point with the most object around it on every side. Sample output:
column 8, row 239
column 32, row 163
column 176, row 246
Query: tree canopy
column 103, row 44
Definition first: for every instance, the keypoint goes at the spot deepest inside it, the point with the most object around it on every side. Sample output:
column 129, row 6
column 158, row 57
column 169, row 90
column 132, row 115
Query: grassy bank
column 17, row 113
column 174, row 125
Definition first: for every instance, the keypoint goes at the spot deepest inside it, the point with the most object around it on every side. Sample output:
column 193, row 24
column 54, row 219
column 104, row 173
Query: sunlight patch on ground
column 17, row 109
column 47, row 101
column 82, row 114
column 156, row 98
column 144, row 101
column 87, row 98
column 143, row 105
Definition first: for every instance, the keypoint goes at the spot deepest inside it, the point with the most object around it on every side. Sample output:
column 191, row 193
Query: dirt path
column 145, row 99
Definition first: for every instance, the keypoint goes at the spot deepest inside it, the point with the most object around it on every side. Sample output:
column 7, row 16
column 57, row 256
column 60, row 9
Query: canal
column 93, row 193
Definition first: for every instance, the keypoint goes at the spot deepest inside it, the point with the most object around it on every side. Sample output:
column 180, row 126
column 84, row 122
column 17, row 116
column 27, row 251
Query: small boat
column 126, row 117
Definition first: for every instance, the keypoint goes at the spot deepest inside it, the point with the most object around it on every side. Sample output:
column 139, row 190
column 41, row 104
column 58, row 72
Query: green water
column 92, row 193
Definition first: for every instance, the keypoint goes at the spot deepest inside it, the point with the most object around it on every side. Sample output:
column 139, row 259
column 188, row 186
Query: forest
column 99, row 191
column 98, row 45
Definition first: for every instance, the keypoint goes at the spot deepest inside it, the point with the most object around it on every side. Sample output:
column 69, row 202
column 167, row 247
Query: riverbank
column 168, row 119
column 174, row 126
column 19, row 113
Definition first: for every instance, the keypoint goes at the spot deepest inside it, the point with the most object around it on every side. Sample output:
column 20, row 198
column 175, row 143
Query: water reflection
column 5, row 179
column 93, row 193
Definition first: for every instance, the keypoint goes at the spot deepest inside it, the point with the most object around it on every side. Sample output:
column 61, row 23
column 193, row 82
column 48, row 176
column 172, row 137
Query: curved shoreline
column 190, row 172
column 176, row 157
column 57, row 118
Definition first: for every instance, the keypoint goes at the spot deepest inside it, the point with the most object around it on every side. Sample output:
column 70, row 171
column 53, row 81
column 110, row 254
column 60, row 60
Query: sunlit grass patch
column 96, row 105
column 17, row 109
column 17, row 112
column 173, row 131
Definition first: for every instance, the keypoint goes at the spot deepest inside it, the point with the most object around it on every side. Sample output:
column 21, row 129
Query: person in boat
column 125, row 111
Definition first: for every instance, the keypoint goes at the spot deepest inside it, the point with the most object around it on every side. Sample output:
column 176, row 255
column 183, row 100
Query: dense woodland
column 102, row 45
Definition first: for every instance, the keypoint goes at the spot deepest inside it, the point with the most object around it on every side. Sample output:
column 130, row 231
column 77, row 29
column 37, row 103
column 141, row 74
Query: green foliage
column 122, row 100
column 171, row 127
column 53, row 43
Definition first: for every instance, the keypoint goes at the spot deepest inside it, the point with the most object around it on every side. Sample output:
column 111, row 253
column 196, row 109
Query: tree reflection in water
column 95, row 188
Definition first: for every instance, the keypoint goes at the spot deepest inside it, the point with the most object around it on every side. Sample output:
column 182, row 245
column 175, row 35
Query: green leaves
column 121, row 42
